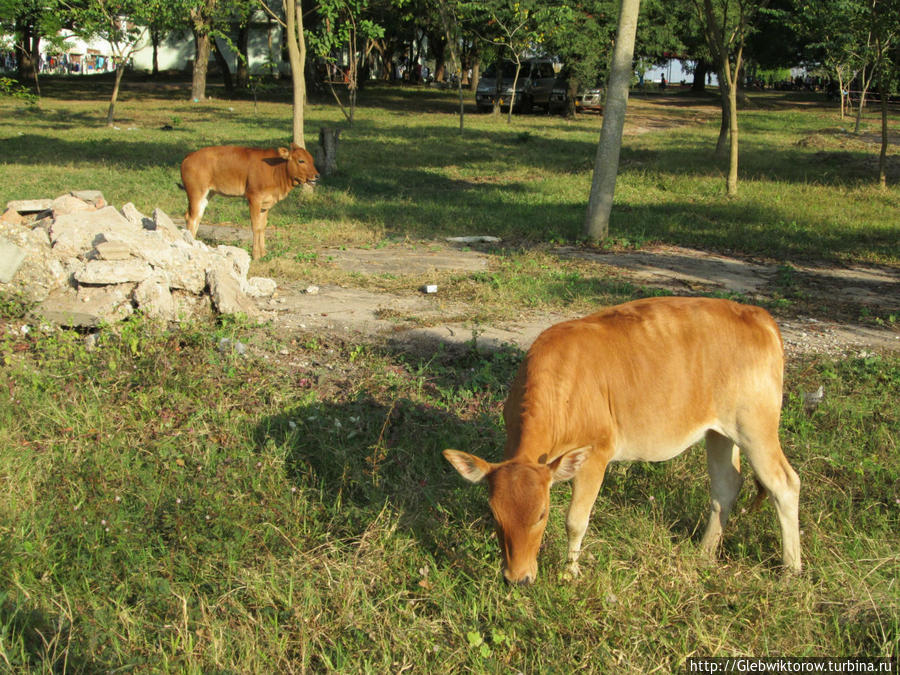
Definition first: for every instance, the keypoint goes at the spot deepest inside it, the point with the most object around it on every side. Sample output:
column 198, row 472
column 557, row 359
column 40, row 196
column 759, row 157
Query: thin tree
column 296, row 41
column 606, row 165
column 30, row 23
column 296, row 44
column 202, row 16
column 346, row 24
column 449, row 15
column 726, row 23
column 886, row 34
column 831, row 28
column 117, row 23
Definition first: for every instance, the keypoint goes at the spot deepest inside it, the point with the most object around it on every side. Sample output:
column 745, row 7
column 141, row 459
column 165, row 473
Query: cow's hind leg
column 585, row 488
column 783, row 486
column 723, row 461
column 258, row 218
column 197, row 201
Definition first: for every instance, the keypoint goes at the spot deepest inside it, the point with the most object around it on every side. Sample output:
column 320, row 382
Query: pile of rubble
column 84, row 263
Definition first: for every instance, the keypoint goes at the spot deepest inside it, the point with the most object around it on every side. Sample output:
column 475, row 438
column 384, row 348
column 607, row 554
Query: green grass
column 807, row 189
column 171, row 507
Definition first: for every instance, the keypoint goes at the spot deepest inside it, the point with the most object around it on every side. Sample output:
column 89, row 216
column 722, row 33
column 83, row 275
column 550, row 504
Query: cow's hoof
column 572, row 572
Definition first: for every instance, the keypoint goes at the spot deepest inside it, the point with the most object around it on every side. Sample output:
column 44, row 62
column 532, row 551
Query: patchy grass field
column 171, row 507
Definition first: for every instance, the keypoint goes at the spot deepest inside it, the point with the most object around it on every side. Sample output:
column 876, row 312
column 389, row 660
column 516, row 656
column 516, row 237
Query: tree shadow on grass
column 364, row 455
column 42, row 640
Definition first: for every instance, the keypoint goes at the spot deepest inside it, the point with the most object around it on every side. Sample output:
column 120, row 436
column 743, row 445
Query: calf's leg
column 197, row 201
column 258, row 218
column 723, row 461
column 783, row 487
column 585, row 488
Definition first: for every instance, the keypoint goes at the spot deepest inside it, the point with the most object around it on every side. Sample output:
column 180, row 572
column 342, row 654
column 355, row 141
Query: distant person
column 662, row 82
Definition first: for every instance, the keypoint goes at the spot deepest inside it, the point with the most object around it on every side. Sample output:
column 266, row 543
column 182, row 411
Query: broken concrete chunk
column 87, row 308
column 92, row 197
column 477, row 239
column 112, row 250
column 12, row 217
column 238, row 256
column 154, row 298
column 68, row 204
column 76, row 232
column 161, row 222
column 11, row 258
column 113, row 272
column 135, row 217
column 26, row 206
column 225, row 290
column 261, row 287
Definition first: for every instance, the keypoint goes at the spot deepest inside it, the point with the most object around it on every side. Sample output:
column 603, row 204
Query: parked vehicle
column 589, row 99
column 538, row 86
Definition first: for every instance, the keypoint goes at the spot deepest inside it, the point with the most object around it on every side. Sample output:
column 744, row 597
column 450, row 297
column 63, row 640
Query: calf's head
column 519, row 496
column 299, row 165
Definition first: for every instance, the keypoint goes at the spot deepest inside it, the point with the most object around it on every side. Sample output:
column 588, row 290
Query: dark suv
column 538, row 85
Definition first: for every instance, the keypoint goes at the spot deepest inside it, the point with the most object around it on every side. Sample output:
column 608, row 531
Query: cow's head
column 519, row 495
column 299, row 165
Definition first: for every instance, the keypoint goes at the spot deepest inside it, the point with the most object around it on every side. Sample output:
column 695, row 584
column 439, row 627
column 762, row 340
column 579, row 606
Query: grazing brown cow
column 263, row 176
column 640, row 381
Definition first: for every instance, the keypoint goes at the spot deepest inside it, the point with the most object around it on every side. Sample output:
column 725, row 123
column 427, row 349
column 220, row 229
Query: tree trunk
column 865, row 82
column 29, row 52
column 700, row 71
column 840, row 77
column 882, row 158
column 296, row 44
column 201, row 64
column 242, row 68
column 722, row 141
column 476, row 75
column 120, row 71
column 732, row 181
column 154, row 40
column 36, row 61
column 606, row 165
column 512, row 97
column 326, row 153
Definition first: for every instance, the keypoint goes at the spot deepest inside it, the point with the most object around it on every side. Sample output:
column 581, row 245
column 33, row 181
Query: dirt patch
column 351, row 311
column 832, row 297
column 416, row 261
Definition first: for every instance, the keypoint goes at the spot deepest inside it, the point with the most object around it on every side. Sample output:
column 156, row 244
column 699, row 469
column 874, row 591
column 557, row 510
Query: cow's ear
column 566, row 466
column 284, row 153
column 470, row 467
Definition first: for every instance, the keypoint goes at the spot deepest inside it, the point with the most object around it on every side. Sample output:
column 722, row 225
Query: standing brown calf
column 263, row 176
column 640, row 381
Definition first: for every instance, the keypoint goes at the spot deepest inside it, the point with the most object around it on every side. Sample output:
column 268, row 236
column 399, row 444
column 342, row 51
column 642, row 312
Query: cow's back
column 644, row 379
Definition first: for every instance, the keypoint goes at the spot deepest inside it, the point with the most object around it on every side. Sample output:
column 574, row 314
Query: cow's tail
column 759, row 498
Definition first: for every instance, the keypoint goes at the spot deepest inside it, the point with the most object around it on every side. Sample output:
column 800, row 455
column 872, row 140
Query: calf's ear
column 470, row 467
column 566, row 466
column 284, row 153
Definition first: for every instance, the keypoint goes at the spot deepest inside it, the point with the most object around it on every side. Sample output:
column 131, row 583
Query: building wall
column 176, row 50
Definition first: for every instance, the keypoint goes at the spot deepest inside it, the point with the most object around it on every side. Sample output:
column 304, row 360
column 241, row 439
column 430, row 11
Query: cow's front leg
column 585, row 488
column 259, row 215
